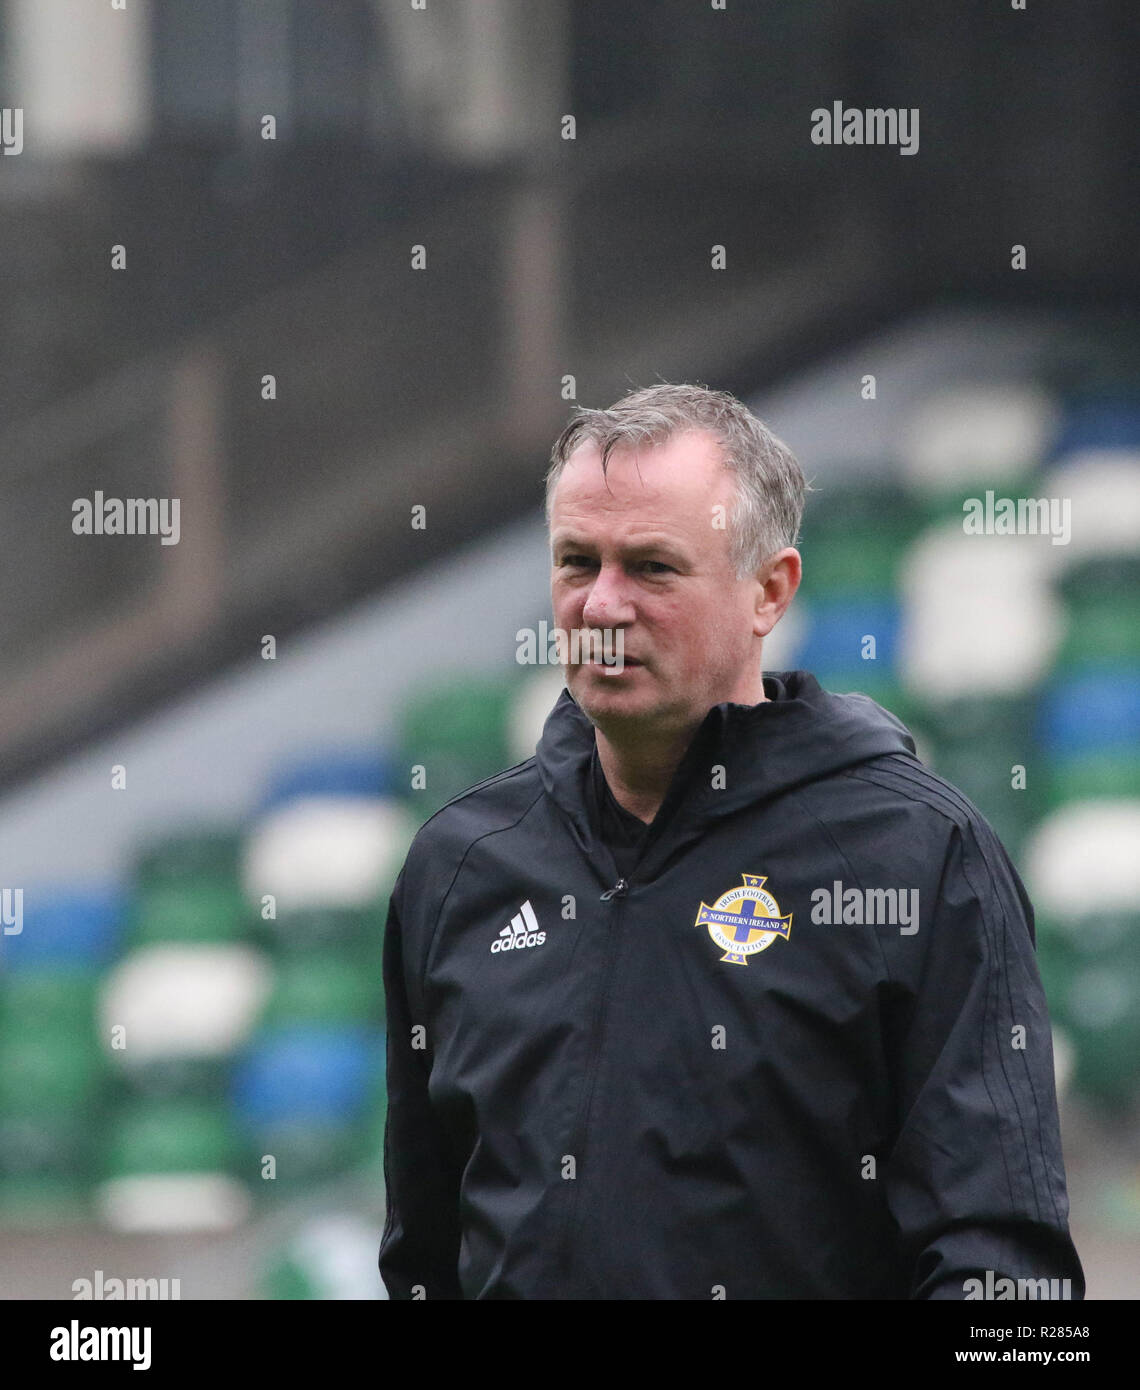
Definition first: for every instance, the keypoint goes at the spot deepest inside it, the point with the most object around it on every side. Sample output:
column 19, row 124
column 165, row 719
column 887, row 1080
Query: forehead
column 673, row 484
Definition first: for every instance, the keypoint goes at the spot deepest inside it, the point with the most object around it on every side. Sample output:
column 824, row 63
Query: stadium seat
column 333, row 772
column 308, row 1093
column 354, row 933
column 853, row 539
column 534, row 697
column 1091, row 711
column 1108, row 421
column 331, row 1256
column 979, row 614
column 184, row 1012
column 69, row 926
column 327, row 851
column 1091, row 968
column 176, row 1165
column 967, row 439
column 322, row 987
column 457, row 732
column 187, row 888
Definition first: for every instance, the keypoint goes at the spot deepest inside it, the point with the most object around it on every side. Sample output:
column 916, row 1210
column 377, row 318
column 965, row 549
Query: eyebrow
column 641, row 547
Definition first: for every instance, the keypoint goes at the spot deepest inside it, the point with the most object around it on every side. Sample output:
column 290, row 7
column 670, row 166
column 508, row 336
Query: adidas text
column 523, row 931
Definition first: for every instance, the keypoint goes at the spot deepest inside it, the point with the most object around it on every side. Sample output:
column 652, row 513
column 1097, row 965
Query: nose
column 608, row 603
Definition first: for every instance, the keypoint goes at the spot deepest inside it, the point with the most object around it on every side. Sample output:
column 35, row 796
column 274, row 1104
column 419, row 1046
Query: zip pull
column 617, row 891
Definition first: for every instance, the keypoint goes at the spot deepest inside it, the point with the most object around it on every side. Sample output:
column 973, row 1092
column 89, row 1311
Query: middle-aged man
column 722, row 994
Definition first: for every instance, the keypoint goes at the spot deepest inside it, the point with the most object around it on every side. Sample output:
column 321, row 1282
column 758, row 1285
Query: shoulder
column 490, row 807
column 905, row 782
column 894, row 809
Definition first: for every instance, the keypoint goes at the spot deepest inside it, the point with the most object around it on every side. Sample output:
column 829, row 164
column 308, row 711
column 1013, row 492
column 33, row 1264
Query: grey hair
column 770, row 485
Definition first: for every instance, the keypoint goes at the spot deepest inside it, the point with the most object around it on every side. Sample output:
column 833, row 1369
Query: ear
column 776, row 583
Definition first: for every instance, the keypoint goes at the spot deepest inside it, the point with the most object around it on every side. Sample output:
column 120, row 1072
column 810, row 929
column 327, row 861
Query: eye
column 658, row 567
column 574, row 561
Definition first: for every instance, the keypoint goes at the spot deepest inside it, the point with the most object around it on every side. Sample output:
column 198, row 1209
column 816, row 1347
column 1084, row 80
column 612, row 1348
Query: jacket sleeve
column 976, row 1178
column 419, row 1251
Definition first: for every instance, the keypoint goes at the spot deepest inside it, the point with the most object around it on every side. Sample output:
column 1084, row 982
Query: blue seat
column 77, row 927
column 338, row 772
column 1100, row 422
column 1091, row 710
column 834, row 638
column 308, row 1072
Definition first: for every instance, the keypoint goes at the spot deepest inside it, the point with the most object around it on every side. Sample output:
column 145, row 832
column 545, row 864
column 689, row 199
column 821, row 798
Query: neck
column 639, row 764
column 638, row 773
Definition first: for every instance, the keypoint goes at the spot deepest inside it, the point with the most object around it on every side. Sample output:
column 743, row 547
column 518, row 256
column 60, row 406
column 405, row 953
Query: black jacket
column 622, row 1104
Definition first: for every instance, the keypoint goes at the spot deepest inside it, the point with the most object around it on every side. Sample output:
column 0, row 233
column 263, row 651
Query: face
column 637, row 551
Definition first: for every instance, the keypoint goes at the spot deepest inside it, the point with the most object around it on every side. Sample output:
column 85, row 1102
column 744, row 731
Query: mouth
column 613, row 666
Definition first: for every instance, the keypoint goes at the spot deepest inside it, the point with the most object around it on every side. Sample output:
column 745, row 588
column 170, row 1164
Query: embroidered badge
column 744, row 920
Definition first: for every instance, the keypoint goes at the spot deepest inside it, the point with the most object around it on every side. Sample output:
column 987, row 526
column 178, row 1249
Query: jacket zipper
column 617, row 892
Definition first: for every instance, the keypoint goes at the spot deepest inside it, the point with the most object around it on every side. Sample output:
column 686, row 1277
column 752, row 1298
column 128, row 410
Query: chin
column 603, row 703
column 602, row 692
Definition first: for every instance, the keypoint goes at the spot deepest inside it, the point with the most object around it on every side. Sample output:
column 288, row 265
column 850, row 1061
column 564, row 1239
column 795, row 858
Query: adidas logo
column 522, row 932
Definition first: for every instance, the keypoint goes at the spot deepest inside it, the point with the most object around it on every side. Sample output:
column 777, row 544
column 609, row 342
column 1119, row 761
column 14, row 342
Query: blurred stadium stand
column 226, row 909
column 255, row 1034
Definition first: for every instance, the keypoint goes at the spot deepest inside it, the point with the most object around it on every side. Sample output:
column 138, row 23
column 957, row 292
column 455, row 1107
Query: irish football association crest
column 745, row 920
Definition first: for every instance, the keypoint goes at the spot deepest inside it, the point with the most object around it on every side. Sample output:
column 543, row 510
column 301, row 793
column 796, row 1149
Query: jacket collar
column 765, row 750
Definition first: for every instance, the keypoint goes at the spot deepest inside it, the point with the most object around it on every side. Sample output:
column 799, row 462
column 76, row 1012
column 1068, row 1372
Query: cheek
column 711, row 635
column 690, row 633
column 565, row 603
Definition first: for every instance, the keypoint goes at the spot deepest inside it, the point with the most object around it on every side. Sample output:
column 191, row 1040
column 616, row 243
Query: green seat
column 289, row 1279
column 40, row 1202
column 1091, row 776
column 854, row 538
column 54, row 1068
column 458, row 733
column 329, row 1257
column 171, row 1136
column 172, row 1164
column 191, row 855
column 49, row 1146
column 849, row 564
column 941, row 504
column 874, row 680
column 1090, row 969
column 307, row 1153
column 323, row 987
column 1102, row 633
column 975, row 743
column 52, row 1089
column 354, row 933
column 51, row 997
column 1102, row 603
column 1003, row 721
column 197, row 910
column 176, row 1077
column 1101, row 581
column 188, row 888
column 1055, row 963
column 983, row 773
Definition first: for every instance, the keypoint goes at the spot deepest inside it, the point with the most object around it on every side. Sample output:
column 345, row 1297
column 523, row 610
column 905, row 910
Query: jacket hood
column 801, row 733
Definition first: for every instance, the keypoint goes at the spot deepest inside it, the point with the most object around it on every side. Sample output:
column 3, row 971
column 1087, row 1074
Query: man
column 633, row 1050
